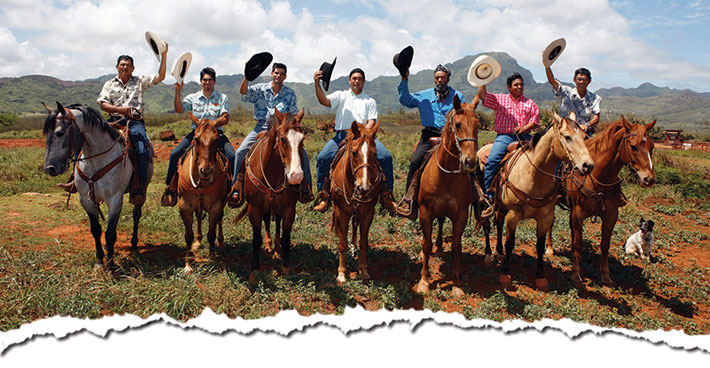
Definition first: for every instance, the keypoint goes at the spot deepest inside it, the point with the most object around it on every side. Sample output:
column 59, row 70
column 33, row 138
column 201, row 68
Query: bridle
column 264, row 186
column 360, row 198
column 457, row 144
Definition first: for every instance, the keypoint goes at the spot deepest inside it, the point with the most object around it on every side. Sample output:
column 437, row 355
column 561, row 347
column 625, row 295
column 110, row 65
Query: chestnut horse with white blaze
column 599, row 193
column 355, row 186
column 526, row 188
column 273, row 175
column 446, row 188
column 202, row 187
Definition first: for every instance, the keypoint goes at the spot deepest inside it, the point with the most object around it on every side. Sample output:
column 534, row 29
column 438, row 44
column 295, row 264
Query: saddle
column 124, row 130
column 485, row 151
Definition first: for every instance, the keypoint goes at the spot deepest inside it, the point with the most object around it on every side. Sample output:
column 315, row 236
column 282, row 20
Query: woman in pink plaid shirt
column 516, row 116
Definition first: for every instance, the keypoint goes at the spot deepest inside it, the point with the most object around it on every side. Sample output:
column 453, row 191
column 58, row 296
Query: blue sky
column 624, row 43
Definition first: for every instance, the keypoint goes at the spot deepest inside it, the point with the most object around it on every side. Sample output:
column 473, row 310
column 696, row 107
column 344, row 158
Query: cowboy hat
column 180, row 67
column 553, row 51
column 483, row 71
column 327, row 69
column 256, row 65
column 403, row 60
column 156, row 44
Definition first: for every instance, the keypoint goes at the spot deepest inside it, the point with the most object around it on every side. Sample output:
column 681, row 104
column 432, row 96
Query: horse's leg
column 549, row 245
column 114, row 212
column 285, row 240
column 355, row 223
column 608, row 223
column 500, row 221
column 214, row 217
column 486, row 223
column 187, row 214
column 255, row 217
column 340, row 225
column 425, row 221
column 220, row 234
column 96, row 232
column 544, row 225
column 459, row 224
column 576, row 225
column 511, row 222
column 439, row 245
column 268, row 242
column 137, row 211
column 365, row 223
column 277, row 234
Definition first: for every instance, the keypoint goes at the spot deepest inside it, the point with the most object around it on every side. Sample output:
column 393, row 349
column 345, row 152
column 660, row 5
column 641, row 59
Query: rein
column 264, row 186
column 355, row 197
column 195, row 187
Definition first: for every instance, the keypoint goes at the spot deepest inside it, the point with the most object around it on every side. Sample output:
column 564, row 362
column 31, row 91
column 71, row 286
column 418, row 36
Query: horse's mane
column 537, row 136
column 290, row 118
column 91, row 116
column 604, row 140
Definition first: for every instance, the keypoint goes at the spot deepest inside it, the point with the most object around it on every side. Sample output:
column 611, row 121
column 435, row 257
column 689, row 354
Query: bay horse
column 526, row 188
column 202, row 187
column 355, row 186
column 102, row 171
column 599, row 193
column 273, row 168
column 446, row 188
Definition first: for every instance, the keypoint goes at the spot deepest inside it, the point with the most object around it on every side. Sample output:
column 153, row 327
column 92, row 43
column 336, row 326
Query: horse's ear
column 278, row 114
column 626, row 123
column 355, row 128
column 194, row 119
column 375, row 127
column 457, row 102
column 300, row 114
column 60, row 108
column 49, row 111
column 556, row 119
column 650, row 125
column 572, row 116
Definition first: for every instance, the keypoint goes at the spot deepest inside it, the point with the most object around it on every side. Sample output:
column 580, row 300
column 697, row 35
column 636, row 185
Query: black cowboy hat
column 403, row 60
column 327, row 69
column 256, row 65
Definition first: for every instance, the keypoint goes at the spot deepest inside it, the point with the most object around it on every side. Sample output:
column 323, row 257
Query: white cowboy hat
column 483, row 71
column 180, row 67
column 553, row 51
column 156, row 44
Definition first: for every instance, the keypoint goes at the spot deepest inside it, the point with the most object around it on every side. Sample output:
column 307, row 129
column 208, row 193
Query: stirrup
column 407, row 208
column 169, row 198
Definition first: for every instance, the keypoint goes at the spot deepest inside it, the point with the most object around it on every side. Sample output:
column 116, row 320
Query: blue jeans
column 498, row 151
column 325, row 158
column 140, row 143
column 184, row 144
column 249, row 141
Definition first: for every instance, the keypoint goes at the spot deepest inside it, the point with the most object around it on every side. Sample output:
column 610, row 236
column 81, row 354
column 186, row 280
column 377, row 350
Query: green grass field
column 47, row 255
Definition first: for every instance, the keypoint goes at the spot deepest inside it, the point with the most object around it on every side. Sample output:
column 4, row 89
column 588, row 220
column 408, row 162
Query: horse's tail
column 241, row 215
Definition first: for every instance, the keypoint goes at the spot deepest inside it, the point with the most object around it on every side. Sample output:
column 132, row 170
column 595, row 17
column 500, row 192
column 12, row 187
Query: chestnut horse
column 526, row 188
column 599, row 193
column 273, row 168
column 202, row 186
column 446, row 188
column 355, row 183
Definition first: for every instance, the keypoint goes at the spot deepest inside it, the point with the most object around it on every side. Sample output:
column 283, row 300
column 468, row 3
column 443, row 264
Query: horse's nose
column 587, row 167
column 470, row 163
column 295, row 178
column 51, row 170
column 648, row 181
column 206, row 171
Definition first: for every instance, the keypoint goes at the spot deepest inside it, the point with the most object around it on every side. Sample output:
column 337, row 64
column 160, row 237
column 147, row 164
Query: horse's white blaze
column 650, row 162
column 363, row 149
column 295, row 173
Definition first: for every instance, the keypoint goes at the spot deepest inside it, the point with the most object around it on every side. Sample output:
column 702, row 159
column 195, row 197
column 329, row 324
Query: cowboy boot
column 305, row 195
column 487, row 207
column 407, row 207
column 324, row 203
column 387, row 200
column 236, row 198
column 169, row 198
column 69, row 185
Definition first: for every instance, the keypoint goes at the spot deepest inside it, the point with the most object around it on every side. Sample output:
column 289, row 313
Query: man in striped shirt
column 516, row 116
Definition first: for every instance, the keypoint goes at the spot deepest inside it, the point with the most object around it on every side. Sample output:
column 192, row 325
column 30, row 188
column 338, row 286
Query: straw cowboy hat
column 403, row 60
column 181, row 66
column 327, row 69
column 256, row 65
column 156, row 44
column 553, row 51
column 483, row 71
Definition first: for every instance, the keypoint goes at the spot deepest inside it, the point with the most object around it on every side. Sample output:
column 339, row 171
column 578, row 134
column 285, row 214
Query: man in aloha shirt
column 516, row 116
column 266, row 97
column 350, row 105
column 204, row 104
column 585, row 104
column 122, row 98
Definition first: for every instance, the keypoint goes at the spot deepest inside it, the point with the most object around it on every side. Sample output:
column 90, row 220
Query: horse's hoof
column 505, row 280
column 458, row 293
column 252, row 279
column 577, row 280
column 341, row 278
column 489, row 260
column 188, row 269
column 606, row 281
column 542, row 284
column 549, row 252
column 284, row 270
column 364, row 275
column 422, row 287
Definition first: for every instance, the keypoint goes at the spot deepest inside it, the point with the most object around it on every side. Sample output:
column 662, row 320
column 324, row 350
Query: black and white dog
column 641, row 241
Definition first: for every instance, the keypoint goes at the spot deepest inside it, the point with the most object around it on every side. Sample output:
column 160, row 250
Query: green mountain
column 675, row 108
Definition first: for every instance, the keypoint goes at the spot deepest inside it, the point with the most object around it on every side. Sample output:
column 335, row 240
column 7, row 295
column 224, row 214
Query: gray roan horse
column 103, row 160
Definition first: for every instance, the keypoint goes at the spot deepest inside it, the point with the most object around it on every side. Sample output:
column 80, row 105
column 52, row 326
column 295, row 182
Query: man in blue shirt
column 204, row 104
column 266, row 97
column 433, row 105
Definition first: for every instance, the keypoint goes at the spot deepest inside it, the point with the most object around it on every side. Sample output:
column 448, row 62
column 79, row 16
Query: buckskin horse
column 446, row 188
column 202, row 187
column 273, row 168
column 102, row 170
column 599, row 193
column 525, row 188
column 355, row 186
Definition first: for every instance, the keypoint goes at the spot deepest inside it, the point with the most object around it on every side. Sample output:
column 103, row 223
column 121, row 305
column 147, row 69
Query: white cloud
column 81, row 39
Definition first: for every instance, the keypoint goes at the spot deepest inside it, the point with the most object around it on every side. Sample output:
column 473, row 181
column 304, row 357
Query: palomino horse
column 599, row 193
column 526, row 188
column 202, row 186
column 446, row 188
column 355, row 184
column 273, row 168
column 102, row 171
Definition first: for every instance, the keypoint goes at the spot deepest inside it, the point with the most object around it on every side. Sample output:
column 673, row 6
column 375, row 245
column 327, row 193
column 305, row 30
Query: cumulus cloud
column 75, row 39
